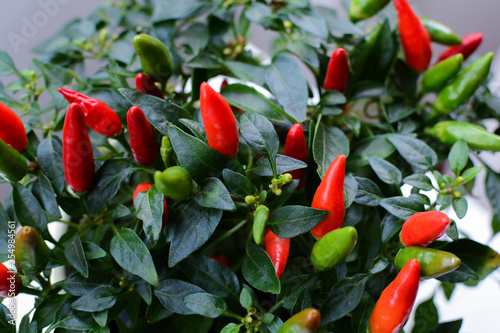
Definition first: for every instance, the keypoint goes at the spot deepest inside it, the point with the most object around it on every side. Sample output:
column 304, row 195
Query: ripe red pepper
column 222, row 260
column 295, row 146
column 141, row 137
column 396, row 301
column 9, row 282
column 423, row 228
column 219, row 121
column 278, row 250
column 12, row 130
column 337, row 73
column 415, row 38
column 144, row 187
column 144, row 84
column 99, row 116
column 330, row 196
column 78, row 159
column 469, row 44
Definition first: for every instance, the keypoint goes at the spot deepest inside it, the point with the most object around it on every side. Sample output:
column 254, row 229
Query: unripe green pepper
column 436, row 77
column 13, row 165
column 463, row 86
column 363, row 9
column 174, row 182
column 259, row 223
column 333, row 248
column 475, row 136
column 306, row 321
column 440, row 33
column 433, row 262
column 154, row 56
column 31, row 253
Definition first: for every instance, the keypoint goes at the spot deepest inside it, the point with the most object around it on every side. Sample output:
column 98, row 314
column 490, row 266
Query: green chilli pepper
column 306, row 321
column 165, row 150
column 259, row 223
column 436, row 77
column 433, row 262
column 363, row 9
column 333, row 248
column 31, row 253
column 458, row 91
column 154, row 56
column 174, row 182
column 13, row 165
column 440, row 33
column 476, row 137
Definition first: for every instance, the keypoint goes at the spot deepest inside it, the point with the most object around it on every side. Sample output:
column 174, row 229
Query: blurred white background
column 36, row 20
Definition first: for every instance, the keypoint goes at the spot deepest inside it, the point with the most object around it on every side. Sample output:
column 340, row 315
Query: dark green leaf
column 414, row 151
column 172, row 9
column 304, row 51
column 337, row 26
column 259, row 133
column 286, row 191
column 369, row 193
column 70, row 319
column 7, row 66
column 101, row 318
column 171, row 292
column 43, row 191
column 196, row 36
column 92, row 251
column 462, row 274
column 329, row 143
column 99, row 299
column 426, row 317
column 28, row 211
column 50, row 159
column 283, row 164
column 333, row 97
column 131, row 254
column 391, row 225
column 116, row 211
column 237, row 184
column 495, row 224
column 247, row 72
column 291, row 221
column 196, row 128
column 294, row 290
column 402, row 207
column 397, row 112
column 273, row 326
column 213, row 194
column 231, row 328
column 204, row 61
column 77, row 285
column 45, row 311
column 458, row 156
column 56, row 76
column 258, row 270
column 377, row 146
column 205, row 304
column 448, row 327
column 419, row 181
column 149, row 209
column 76, row 256
column 309, row 20
column 350, row 190
column 7, row 320
column 492, row 185
column 246, row 298
column 386, row 171
column 460, row 207
column 361, row 315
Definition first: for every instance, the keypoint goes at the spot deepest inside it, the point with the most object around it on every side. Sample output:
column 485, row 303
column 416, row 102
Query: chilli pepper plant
column 314, row 192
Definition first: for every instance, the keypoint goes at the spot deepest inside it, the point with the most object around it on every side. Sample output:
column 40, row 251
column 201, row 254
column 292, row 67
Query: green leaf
column 304, row 52
column 426, row 317
column 337, row 26
column 149, row 209
column 291, row 221
column 350, row 190
column 391, row 225
column 99, row 299
column 286, row 81
column 419, row 181
column 402, row 207
column 231, row 328
column 76, row 256
column 333, row 97
column 458, row 156
column 206, row 305
column 295, row 294
column 211, row 275
column 414, row 151
column 196, row 129
column 460, row 207
column 361, row 315
column 309, row 20
column 132, row 255
column 246, row 298
column 77, row 285
column 495, row 224
column 196, row 36
column 43, row 191
column 45, row 311
column 258, row 270
column 171, row 293
column 7, row 66
column 93, row 251
column 70, row 319
column 250, row 100
column 448, row 327
column 237, row 184
column 247, row 72
column 377, row 146
column 470, row 173
column 462, row 274
column 329, row 143
column 286, row 192
column 386, row 171
column 56, row 76
column 273, row 326
column 343, row 298
column 204, row 61
column 369, row 194
column 172, row 9
column 50, row 160
column 492, row 185
column 397, row 112
column 28, row 211
column 158, row 111
column 283, row 164
column 213, row 194
column 101, row 318
column 116, row 211
column 259, row 133
column 7, row 320
column 189, row 227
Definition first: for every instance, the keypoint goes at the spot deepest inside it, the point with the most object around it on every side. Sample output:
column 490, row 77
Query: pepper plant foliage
column 126, row 274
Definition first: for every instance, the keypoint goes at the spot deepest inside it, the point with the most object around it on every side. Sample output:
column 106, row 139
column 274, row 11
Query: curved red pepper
column 423, row 228
column 219, row 121
column 141, row 137
column 142, row 187
column 12, row 130
column 337, row 73
column 144, row 84
column 9, row 282
column 78, row 159
column 295, row 146
column 330, row 196
column 99, row 116
column 396, row 301
column 469, row 44
column 278, row 250
column 415, row 38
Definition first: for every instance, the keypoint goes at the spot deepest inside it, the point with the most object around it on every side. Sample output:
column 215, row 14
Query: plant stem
column 224, row 236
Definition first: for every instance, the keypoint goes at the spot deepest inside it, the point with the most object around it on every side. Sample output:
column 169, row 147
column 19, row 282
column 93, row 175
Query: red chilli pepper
column 99, row 116
column 337, row 73
column 469, row 44
column 278, row 250
column 141, row 137
column 12, row 130
column 415, row 38
column 396, row 301
column 142, row 187
column 144, row 84
column 9, row 282
column 295, row 146
column 330, row 196
column 423, row 228
column 78, row 159
column 219, row 121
